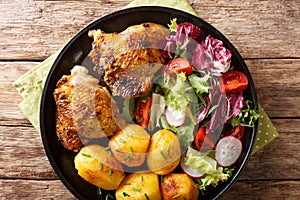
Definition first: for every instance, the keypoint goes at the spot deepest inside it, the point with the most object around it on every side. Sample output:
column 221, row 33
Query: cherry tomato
column 234, row 81
column 237, row 131
column 142, row 111
column 203, row 141
column 178, row 65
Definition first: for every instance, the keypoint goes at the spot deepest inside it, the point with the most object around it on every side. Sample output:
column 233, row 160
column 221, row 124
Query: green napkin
column 30, row 85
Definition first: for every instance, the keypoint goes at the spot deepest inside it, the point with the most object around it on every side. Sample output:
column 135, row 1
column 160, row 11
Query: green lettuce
column 213, row 173
column 178, row 92
column 247, row 116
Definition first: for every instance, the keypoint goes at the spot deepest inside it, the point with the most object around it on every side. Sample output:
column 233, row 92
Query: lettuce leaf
column 185, row 133
column 178, row 93
column 213, row 173
column 200, row 84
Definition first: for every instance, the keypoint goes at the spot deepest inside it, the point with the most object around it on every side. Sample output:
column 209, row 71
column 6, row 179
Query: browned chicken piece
column 128, row 60
column 85, row 110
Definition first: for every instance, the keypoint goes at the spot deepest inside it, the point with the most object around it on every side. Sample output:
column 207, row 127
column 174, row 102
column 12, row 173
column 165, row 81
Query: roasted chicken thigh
column 127, row 61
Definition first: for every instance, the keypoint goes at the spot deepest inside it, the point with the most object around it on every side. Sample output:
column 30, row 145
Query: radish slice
column 194, row 173
column 175, row 117
column 228, row 150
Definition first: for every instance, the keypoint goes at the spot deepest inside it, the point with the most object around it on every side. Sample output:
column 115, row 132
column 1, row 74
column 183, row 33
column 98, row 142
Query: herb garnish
column 125, row 194
column 176, row 196
column 101, row 167
column 147, row 196
column 86, row 155
column 163, row 155
column 136, row 189
column 131, row 149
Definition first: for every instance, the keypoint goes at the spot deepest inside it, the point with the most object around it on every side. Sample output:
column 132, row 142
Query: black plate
column 75, row 53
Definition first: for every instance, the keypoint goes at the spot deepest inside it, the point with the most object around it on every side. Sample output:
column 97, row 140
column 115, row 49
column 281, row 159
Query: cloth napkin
column 30, row 85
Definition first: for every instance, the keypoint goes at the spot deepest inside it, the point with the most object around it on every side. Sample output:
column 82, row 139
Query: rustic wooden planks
column 265, row 32
column 54, row 189
column 48, row 25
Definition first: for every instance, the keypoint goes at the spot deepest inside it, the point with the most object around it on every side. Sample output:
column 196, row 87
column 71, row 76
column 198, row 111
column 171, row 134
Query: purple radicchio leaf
column 235, row 104
column 204, row 110
column 213, row 56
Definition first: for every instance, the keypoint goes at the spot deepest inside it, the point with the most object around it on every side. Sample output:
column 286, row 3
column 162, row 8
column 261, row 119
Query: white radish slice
column 194, row 173
column 175, row 117
column 228, row 150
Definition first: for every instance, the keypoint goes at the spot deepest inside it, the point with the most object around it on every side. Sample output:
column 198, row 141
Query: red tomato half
column 234, row 81
column 237, row 131
column 203, row 142
column 179, row 65
column 142, row 111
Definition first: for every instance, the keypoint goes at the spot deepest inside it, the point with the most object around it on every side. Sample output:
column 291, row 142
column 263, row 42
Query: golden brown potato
column 179, row 187
column 130, row 145
column 97, row 166
column 139, row 186
column 164, row 152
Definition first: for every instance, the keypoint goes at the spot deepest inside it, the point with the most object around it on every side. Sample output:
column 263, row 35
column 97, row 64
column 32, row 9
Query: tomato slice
column 142, row 111
column 234, row 81
column 203, row 142
column 237, row 131
column 178, row 65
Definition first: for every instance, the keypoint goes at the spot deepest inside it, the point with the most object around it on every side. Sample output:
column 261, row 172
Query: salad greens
column 198, row 98
column 247, row 116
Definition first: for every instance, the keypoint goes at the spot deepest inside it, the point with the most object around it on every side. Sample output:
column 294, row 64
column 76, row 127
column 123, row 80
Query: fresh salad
column 198, row 95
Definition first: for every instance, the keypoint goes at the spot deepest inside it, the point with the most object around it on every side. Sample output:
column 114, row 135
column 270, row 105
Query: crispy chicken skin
column 128, row 60
column 85, row 110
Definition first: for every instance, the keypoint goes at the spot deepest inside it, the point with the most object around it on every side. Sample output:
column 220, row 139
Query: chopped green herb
column 136, row 189
column 140, row 120
column 127, row 183
column 168, row 149
column 99, row 192
column 119, row 151
column 110, row 172
column 163, row 155
column 122, row 140
column 132, row 151
column 176, row 196
column 142, row 178
column 101, row 167
column 147, row 196
column 86, row 155
column 107, row 148
column 125, row 194
column 161, row 179
column 127, row 158
column 109, row 196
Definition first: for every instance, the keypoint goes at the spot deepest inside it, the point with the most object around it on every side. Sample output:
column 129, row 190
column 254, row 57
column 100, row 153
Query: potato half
column 179, row 187
column 130, row 145
column 164, row 152
column 98, row 167
column 139, row 186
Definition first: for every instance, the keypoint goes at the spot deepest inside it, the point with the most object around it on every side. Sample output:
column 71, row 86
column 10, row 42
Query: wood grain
column 257, row 28
column 250, row 190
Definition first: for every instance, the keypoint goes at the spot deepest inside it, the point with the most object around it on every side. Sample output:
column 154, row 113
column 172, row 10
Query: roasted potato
column 179, row 187
column 98, row 166
column 164, row 152
column 130, row 145
column 139, row 186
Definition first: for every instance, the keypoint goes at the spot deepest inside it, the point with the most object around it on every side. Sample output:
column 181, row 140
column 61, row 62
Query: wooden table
column 266, row 32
